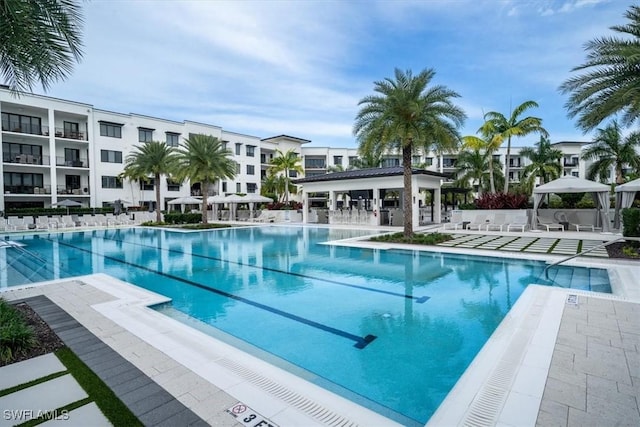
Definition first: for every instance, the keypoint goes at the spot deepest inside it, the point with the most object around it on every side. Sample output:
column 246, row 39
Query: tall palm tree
column 368, row 160
column 404, row 115
column 489, row 144
column 610, row 82
column 475, row 166
column 39, row 41
column 204, row 159
column 610, row 150
column 502, row 128
column 285, row 163
column 152, row 158
column 544, row 163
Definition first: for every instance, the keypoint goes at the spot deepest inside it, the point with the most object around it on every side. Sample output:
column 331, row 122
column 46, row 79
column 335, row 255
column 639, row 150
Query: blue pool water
column 393, row 330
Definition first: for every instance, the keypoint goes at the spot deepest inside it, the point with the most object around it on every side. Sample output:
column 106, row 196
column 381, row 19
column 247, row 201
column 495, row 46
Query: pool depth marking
column 360, row 342
column 419, row 300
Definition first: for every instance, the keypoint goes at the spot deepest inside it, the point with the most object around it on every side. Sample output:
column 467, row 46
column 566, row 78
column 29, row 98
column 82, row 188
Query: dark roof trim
column 302, row 140
column 110, row 123
column 145, row 128
column 366, row 173
column 172, row 133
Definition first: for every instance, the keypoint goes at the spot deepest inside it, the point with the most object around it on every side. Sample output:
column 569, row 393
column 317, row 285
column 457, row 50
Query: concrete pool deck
column 550, row 362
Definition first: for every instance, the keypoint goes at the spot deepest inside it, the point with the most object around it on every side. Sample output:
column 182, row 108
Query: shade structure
column 186, row 200
column 233, row 200
column 67, row 203
column 572, row 184
column 625, row 195
column 257, row 198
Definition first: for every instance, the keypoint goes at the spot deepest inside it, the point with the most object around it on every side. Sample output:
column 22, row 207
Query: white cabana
column 572, row 184
column 625, row 195
column 187, row 200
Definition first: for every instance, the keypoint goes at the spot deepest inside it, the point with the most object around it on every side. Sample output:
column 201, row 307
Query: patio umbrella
column 252, row 198
column 66, row 203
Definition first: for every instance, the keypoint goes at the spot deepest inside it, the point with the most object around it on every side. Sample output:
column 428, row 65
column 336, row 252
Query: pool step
column 23, row 268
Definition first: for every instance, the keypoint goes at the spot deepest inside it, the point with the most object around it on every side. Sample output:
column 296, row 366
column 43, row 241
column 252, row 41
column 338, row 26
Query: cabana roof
column 571, row 184
column 629, row 186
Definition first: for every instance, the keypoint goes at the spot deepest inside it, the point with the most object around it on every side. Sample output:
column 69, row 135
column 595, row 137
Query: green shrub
column 586, row 202
column 415, row 239
column 16, row 336
column 502, row 201
column 182, row 218
column 631, row 222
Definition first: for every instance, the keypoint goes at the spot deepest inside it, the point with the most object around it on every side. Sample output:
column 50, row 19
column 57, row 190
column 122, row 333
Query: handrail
column 25, row 251
column 546, row 269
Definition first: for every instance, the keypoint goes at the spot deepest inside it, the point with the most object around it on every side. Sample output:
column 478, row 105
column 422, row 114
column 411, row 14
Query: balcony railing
column 77, row 163
column 70, row 134
column 27, row 159
column 26, row 189
column 63, row 189
column 25, row 128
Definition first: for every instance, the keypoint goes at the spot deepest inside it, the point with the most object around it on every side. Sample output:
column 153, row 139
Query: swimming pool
column 392, row 330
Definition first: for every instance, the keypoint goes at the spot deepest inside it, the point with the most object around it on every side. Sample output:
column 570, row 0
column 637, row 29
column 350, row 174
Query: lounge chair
column 574, row 221
column 520, row 222
column 265, row 216
column 478, row 223
column 549, row 225
column 498, row 222
column 454, row 222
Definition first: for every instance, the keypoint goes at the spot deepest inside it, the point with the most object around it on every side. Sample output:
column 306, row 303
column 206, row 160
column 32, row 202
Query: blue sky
column 267, row 68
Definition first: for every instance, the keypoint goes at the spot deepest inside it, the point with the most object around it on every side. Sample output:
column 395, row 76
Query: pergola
column 375, row 181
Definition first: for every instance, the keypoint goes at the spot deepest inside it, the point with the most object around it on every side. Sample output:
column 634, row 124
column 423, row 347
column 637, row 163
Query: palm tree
column 610, row 150
column 368, row 160
column 501, row 128
column 544, row 163
column 489, row 144
column 39, row 41
column 285, row 163
column 610, row 82
column 404, row 115
column 152, row 158
column 204, row 159
column 476, row 167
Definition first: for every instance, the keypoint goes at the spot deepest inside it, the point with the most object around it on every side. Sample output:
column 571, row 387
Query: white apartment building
column 54, row 149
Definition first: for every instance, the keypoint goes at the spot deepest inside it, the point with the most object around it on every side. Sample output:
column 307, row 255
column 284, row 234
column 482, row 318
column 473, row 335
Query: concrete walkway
column 31, row 402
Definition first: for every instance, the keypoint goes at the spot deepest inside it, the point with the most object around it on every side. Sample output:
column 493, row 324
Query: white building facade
column 55, row 149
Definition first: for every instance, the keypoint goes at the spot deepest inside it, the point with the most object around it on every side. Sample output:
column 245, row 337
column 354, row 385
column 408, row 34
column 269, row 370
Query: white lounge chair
column 265, row 216
column 549, row 225
column 520, row 222
column 499, row 222
column 574, row 221
column 454, row 222
column 478, row 223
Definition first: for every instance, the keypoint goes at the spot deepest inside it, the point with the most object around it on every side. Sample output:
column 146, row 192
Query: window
column 22, row 124
column 72, row 130
column 112, row 130
column 72, row 182
column 108, row 156
column 72, row 157
column 238, row 145
column 353, row 160
column 337, row 160
column 145, row 135
column 111, row 182
column 173, row 185
column 148, row 185
column 21, row 183
column 238, row 187
column 428, row 161
column 389, row 163
column 251, row 187
column 224, row 186
column 415, row 160
column 21, row 153
column 173, row 139
column 251, row 149
column 251, row 170
column 311, row 163
column 293, row 174
column 237, row 168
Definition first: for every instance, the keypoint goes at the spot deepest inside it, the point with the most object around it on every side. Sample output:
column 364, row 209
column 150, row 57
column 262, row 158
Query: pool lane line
column 419, row 300
column 360, row 342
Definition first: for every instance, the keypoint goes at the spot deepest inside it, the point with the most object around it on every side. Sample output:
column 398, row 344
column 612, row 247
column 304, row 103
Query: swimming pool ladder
column 546, row 269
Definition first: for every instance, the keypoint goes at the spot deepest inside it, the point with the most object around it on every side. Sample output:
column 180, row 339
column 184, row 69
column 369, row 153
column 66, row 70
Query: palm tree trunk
column 491, row 181
column 406, row 203
column 506, row 166
column 286, row 188
column 158, row 217
column 204, row 186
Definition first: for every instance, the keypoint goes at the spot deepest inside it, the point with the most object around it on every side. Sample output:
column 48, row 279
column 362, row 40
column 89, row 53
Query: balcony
column 570, row 163
column 70, row 134
column 77, row 163
column 25, row 159
column 25, row 189
column 28, row 129
column 63, row 189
